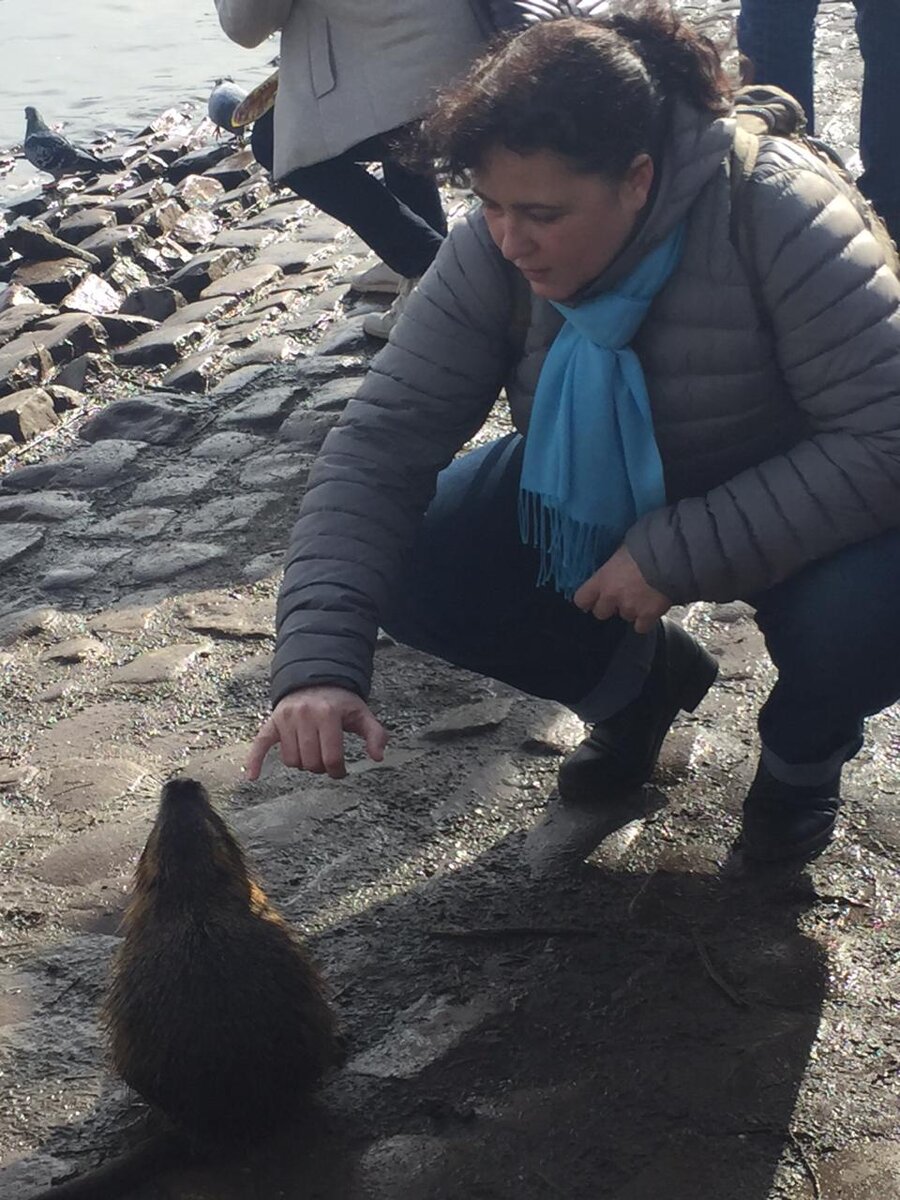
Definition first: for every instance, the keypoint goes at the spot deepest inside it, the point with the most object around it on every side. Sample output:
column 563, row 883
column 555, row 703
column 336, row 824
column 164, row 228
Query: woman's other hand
column 310, row 725
column 619, row 588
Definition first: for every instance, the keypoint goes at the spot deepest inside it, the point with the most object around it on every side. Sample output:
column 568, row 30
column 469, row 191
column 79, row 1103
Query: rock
column 400, row 1167
column 422, row 1034
column 197, row 162
column 227, row 447
column 177, row 485
column 150, row 166
column 65, row 399
column 199, row 191
column 304, row 322
column 159, row 666
column 70, row 335
column 27, row 413
column 75, row 650
column 85, row 224
column 194, row 373
column 129, row 621
column 197, row 275
column 136, row 523
column 280, row 215
column 263, row 566
column 248, row 195
column 61, row 578
column 154, row 303
column 29, row 206
column 234, row 170
column 93, row 295
column 195, row 229
column 21, row 317
column 347, row 338
column 42, row 506
column 101, row 852
column 13, row 777
column 228, row 514
column 279, row 348
column 81, row 373
column 92, row 467
column 263, row 410
column 34, row 241
column 121, row 329
column 27, row 622
column 157, row 566
column 335, row 395
column 140, row 419
column 18, row 540
column 15, row 294
column 127, row 207
column 292, row 256
column 246, row 283
column 240, row 333
column 23, row 363
column 118, row 241
column 281, row 472
column 52, row 281
column 7, row 444
column 468, row 718
column 243, row 239
column 255, row 379
column 227, row 617
column 204, row 310
column 89, row 784
column 127, row 275
column 306, row 429
column 163, row 346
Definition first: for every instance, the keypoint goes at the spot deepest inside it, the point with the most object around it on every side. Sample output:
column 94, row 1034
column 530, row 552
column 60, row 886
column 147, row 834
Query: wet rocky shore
column 539, row 1002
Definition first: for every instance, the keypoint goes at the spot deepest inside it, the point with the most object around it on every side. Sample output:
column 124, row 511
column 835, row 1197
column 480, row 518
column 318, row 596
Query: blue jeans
column 778, row 36
column 466, row 593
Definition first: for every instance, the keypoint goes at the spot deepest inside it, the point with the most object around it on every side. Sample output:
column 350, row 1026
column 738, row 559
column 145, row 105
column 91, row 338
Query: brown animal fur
column 215, row 1012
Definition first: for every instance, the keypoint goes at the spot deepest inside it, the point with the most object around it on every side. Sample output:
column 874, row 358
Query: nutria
column 215, row 1013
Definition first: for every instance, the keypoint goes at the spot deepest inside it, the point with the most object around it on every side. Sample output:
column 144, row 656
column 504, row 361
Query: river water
column 91, row 65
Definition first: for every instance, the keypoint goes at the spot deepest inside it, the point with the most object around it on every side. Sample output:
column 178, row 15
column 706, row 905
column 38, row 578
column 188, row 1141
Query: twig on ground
column 637, row 895
column 810, row 1170
column 714, row 975
column 500, row 931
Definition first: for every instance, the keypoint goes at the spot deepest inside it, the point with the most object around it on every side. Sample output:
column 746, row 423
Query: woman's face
column 561, row 228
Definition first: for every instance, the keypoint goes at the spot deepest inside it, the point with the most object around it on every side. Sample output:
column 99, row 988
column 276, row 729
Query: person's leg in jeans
column 467, row 594
column 778, row 37
column 878, row 29
column 343, row 188
column 833, row 633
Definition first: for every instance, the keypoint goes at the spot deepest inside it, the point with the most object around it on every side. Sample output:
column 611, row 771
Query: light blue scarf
column 591, row 463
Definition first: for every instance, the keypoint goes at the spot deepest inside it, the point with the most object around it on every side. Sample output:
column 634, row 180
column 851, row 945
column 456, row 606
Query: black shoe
column 619, row 754
column 783, row 821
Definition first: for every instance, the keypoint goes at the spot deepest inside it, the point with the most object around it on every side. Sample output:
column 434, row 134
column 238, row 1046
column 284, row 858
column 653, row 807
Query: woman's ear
column 637, row 182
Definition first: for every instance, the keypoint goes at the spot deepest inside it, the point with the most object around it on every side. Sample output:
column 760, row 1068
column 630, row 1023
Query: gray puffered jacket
column 779, row 431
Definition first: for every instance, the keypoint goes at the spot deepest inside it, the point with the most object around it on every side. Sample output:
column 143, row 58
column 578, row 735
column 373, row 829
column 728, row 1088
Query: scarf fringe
column 570, row 551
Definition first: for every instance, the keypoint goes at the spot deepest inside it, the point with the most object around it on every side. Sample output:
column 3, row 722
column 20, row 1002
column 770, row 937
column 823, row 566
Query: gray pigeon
column 55, row 154
column 223, row 100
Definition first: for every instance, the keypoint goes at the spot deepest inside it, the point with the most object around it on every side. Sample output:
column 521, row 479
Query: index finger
column 267, row 737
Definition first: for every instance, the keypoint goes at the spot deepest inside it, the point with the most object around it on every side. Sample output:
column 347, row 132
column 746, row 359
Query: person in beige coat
column 707, row 404
column 353, row 76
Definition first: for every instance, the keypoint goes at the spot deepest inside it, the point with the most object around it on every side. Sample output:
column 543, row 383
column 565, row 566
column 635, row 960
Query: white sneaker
column 379, row 278
column 379, row 325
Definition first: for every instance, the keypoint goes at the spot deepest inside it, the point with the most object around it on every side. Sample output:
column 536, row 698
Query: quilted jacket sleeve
column 249, row 22
column 426, row 394
column 833, row 308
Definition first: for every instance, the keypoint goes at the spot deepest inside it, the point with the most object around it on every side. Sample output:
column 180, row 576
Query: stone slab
column 135, row 523
column 26, row 413
column 225, row 616
column 42, row 506
column 228, row 514
column 178, row 484
column 177, row 558
column 245, row 283
column 163, row 346
column 18, row 540
column 159, row 666
column 95, row 466
column 227, row 447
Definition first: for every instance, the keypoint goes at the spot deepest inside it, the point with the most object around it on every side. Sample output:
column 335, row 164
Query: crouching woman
column 702, row 413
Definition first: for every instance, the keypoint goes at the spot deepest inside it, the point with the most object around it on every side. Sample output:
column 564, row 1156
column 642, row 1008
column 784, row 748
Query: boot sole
column 783, row 852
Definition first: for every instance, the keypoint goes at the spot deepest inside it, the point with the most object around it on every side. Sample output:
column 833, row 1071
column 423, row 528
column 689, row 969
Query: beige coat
column 779, row 430
column 351, row 69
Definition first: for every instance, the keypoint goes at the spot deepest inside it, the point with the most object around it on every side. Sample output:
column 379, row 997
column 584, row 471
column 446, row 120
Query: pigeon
column 223, row 100
column 55, row 154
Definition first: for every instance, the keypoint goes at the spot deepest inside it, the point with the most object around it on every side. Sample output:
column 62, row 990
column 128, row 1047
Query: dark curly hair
column 596, row 91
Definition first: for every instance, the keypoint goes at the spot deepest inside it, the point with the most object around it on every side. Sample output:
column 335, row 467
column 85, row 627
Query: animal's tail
column 121, row 1175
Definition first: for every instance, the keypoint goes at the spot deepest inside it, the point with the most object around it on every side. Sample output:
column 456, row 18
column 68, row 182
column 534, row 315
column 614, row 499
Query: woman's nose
column 514, row 242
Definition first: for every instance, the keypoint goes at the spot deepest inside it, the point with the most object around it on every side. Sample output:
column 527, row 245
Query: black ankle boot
column 783, row 821
column 620, row 753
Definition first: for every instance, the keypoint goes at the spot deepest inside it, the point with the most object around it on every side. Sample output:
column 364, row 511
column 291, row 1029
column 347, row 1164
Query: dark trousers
column 778, row 37
column 401, row 219
column 467, row 594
